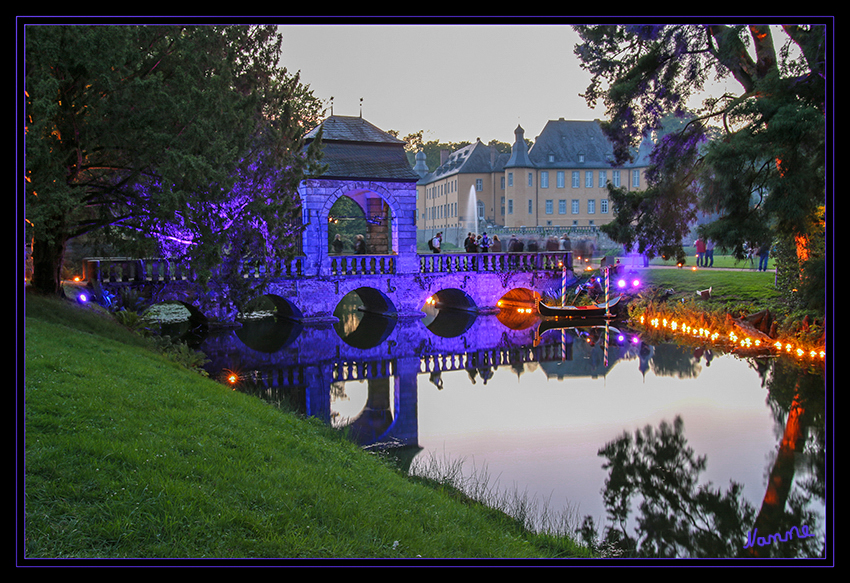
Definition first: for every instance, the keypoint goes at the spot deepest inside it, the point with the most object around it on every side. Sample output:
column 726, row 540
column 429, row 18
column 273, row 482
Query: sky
column 454, row 82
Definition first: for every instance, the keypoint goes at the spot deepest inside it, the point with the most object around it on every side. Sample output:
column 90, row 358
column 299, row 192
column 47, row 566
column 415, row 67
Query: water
column 531, row 413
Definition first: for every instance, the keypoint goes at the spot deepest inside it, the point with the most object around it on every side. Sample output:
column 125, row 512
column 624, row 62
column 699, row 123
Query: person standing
column 764, row 254
column 709, row 253
column 700, row 245
column 435, row 242
column 485, row 243
column 359, row 245
column 567, row 245
column 337, row 244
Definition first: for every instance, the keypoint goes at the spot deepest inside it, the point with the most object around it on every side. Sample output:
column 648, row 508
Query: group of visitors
column 481, row 243
column 763, row 253
column 705, row 252
column 359, row 245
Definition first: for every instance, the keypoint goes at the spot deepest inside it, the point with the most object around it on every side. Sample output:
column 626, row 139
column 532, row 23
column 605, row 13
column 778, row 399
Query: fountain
column 472, row 211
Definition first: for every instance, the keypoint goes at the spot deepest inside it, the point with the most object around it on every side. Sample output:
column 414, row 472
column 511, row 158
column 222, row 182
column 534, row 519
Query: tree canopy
column 755, row 157
column 193, row 135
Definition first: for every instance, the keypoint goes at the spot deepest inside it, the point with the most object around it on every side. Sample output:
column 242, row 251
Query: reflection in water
column 359, row 328
column 580, row 411
column 269, row 335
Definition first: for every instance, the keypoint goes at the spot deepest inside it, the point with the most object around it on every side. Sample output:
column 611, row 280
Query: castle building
column 560, row 182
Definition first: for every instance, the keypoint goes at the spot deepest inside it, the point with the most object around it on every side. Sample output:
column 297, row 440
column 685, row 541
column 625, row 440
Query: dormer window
column 581, row 158
column 551, row 158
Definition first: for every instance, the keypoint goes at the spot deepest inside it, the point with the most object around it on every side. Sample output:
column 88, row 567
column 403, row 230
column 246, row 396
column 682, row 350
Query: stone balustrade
column 159, row 270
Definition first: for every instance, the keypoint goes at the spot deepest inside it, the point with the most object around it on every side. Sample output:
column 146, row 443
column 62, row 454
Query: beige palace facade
column 560, row 182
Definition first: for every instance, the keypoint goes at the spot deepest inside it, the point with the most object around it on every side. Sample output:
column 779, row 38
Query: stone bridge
column 463, row 281
column 369, row 167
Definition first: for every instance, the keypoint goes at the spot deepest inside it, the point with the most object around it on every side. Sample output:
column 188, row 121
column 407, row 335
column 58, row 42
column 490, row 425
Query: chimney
column 444, row 155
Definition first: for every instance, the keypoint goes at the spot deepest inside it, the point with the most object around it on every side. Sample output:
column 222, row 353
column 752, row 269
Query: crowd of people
column 705, row 253
column 484, row 243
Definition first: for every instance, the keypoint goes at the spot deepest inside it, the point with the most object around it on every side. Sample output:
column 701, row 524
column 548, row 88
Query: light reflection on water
column 535, row 410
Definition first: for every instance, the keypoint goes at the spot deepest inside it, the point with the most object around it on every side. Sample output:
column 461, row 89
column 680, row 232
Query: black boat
column 592, row 311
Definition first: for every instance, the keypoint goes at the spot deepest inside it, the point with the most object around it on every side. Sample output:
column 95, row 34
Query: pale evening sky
column 455, row 82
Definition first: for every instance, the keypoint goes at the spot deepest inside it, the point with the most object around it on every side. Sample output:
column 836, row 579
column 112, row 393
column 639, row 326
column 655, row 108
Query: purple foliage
column 645, row 31
column 675, row 148
column 243, row 216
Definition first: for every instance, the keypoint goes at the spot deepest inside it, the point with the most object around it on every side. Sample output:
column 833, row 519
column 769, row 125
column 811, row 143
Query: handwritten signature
column 752, row 540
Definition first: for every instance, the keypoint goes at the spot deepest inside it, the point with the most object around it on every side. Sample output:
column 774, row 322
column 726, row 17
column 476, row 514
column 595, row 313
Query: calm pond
column 662, row 450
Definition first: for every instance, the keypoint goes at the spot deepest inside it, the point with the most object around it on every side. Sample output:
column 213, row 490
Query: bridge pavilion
column 369, row 166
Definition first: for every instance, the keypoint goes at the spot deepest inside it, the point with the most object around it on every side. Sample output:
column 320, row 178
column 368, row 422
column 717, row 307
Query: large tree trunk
column 47, row 257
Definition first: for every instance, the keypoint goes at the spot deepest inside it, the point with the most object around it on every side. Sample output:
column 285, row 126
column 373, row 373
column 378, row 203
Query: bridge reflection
column 307, row 367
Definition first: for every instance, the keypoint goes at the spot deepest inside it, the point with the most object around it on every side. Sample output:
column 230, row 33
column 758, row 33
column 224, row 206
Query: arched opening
column 271, row 305
column 176, row 318
column 364, row 213
column 518, row 308
column 346, row 220
column 269, row 324
column 449, row 313
column 365, row 318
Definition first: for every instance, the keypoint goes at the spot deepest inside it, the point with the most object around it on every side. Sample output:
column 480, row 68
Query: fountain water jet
column 472, row 211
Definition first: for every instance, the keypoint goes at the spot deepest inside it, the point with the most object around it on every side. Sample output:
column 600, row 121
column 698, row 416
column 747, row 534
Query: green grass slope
column 128, row 455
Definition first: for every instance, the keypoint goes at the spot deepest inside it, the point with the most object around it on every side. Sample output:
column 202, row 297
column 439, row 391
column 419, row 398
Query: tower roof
column 519, row 151
column 354, row 148
column 579, row 144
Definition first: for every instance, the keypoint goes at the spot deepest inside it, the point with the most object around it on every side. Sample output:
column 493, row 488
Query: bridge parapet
column 362, row 265
column 493, row 262
column 127, row 271
column 161, row 270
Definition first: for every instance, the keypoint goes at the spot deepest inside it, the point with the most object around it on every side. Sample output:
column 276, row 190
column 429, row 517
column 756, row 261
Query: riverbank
column 129, row 455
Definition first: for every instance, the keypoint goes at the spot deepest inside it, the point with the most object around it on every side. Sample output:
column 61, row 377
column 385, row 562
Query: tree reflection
column 679, row 517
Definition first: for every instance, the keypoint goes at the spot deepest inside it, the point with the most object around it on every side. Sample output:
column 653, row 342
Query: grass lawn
column 129, row 455
column 733, row 290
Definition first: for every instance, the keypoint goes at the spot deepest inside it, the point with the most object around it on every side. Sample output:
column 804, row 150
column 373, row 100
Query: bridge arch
column 365, row 317
column 452, row 299
column 283, row 307
column 187, row 312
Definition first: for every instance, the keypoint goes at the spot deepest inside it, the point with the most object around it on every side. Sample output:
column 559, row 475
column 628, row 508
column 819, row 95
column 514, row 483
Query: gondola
column 591, row 311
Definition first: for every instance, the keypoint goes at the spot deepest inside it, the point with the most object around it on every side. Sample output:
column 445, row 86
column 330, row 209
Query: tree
column 764, row 171
column 183, row 133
